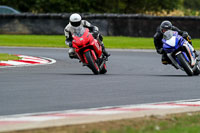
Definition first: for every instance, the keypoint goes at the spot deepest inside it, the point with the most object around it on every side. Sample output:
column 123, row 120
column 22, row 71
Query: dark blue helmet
column 165, row 25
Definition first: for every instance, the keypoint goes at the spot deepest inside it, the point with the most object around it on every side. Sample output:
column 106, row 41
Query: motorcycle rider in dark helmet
column 164, row 26
column 75, row 21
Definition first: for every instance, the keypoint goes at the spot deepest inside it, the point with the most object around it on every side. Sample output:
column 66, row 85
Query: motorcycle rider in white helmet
column 76, row 21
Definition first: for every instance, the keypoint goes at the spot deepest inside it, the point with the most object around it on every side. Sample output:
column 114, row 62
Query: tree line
column 99, row 6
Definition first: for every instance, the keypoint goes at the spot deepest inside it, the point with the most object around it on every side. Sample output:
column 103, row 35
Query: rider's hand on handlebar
column 185, row 34
column 95, row 33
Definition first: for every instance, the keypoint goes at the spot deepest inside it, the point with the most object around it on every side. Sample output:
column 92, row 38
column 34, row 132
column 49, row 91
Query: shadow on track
column 86, row 74
column 136, row 75
column 170, row 75
column 79, row 74
column 117, row 74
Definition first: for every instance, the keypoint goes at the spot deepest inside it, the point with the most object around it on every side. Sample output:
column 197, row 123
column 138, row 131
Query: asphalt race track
column 132, row 78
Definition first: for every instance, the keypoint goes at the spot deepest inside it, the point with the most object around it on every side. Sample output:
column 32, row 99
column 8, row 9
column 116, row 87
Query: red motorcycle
column 89, row 51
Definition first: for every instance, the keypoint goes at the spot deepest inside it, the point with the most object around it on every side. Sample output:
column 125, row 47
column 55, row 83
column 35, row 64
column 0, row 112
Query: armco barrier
column 109, row 24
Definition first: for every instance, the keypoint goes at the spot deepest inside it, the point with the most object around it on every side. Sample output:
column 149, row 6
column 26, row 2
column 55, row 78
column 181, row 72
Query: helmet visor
column 76, row 24
column 168, row 34
column 164, row 30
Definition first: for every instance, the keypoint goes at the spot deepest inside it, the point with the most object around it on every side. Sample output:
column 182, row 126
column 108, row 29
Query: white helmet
column 75, row 20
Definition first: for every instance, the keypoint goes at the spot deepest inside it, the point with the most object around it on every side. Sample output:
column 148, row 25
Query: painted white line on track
column 102, row 108
column 27, row 61
column 109, row 110
column 14, row 62
column 31, row 118
column 150, row 105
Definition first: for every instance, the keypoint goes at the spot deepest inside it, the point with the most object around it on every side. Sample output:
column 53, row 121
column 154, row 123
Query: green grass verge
column 177, row 123
column 181, row 123
column 32, row 41
column 58, row 41
column 6, row 57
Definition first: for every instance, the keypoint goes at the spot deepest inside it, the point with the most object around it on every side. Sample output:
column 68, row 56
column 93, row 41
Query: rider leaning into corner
column 75, row 21
column 164, row 26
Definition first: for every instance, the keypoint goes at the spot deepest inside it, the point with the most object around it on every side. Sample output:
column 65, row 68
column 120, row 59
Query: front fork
column 92, row 54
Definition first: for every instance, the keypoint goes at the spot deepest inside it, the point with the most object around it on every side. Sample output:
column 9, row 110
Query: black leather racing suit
column 158, row 36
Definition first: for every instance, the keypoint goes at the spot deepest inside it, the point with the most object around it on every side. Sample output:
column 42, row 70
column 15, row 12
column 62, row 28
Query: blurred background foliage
column 151, row 7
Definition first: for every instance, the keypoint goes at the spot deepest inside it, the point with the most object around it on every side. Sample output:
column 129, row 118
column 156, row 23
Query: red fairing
column 97, row 47
column 81, row 41
column 84, row 43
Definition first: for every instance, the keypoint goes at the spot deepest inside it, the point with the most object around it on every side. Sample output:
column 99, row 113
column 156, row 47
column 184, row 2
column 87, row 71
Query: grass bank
column 177, row 123
column 6, row 57
column 58, row 41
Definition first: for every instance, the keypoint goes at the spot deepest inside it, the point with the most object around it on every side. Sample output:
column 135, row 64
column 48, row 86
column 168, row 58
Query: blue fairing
column 172, row 42
column 175, row 43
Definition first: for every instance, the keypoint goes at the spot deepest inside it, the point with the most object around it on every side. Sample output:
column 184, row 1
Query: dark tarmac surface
column 132, row 78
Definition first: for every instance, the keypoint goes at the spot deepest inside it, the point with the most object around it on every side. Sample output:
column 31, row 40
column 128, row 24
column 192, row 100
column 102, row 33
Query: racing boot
column 195, row 52
column 104, row 50
column 165, row 60
column 196, row 55
column 189, row 39
column 100, row 40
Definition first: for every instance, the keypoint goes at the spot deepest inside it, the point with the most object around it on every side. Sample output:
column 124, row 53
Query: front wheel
column 185, row 65
column 91, row 63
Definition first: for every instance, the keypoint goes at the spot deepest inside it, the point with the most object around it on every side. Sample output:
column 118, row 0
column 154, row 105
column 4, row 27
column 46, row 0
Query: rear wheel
column 91, row 63
column 185, row 64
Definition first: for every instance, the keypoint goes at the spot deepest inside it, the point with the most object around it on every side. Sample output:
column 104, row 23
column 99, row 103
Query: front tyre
column 185, row 65
column 91, row 63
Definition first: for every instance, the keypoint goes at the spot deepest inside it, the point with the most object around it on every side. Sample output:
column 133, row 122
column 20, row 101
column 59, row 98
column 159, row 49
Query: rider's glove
column 187, row 37
column 185, row 34
column 160, row 51
column 95, row 29
column 95, row 33
column 69, row 43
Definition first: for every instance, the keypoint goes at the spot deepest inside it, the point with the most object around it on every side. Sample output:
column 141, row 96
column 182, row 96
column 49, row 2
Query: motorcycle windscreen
column 80, row 36
column 79, row 31
column 170, row 45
